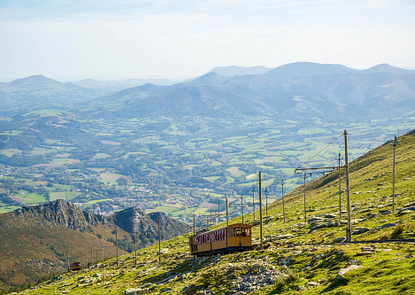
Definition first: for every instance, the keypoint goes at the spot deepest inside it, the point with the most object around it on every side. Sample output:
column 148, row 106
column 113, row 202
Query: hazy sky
column 107, row 39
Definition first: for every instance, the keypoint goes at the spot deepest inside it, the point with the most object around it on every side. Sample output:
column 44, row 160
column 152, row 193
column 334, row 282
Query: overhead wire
column 293, row 186
column 247, row 190
column 319, row 152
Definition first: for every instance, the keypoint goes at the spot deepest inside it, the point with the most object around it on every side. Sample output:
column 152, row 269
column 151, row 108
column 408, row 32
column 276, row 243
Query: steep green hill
column 298, row 257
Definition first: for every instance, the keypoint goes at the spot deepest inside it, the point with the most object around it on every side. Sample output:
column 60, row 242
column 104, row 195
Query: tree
column 122, row 181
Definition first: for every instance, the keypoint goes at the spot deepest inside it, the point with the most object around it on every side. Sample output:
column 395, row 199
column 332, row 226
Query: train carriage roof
column 235, row 225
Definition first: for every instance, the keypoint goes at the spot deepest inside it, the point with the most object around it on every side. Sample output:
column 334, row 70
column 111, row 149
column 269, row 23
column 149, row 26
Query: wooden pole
column 253, row 202
column 242, row 208
column 194, row 225
column 227, row 212
column 266, row 202
column 116, row 238
column 159, row 240
column 217, row 219
column 393, row 176
column 260, row 211
column 346, row 158
column 305, row 213
column 340, row 190
column 135, row 251
column 282, row 194
column 69, row 268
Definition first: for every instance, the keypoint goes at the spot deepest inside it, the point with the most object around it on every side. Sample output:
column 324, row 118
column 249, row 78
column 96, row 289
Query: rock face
column 169, row 225
column 133, row 220
column 61, row 213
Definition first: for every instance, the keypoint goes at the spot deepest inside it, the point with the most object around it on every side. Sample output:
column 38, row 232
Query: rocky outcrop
column 60, row 213
column 169, row 226
column 131, row 220
column 134, row 220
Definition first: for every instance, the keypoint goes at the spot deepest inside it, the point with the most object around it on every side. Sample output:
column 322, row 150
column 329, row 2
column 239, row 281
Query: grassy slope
column 390, row 269
column 32, row 248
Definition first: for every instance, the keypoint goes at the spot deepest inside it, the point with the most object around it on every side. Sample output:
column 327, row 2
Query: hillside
column 298, row 257
column 36, row 240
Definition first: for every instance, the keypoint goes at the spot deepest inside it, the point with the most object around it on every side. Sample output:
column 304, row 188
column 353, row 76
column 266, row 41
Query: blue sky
column 69, row 40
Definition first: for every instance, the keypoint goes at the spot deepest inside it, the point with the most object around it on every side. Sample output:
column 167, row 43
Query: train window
column 245, row 232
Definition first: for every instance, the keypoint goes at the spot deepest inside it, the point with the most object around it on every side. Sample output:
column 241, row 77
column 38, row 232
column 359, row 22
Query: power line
column 319, row 151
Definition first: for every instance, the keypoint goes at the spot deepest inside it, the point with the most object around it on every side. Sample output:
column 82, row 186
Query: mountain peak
column 292, row 70
column 34, row 80
column 386, row 68
column 230, row 71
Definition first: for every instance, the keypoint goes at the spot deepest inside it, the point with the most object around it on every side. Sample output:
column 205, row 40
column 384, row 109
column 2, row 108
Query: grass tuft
column 398, row 231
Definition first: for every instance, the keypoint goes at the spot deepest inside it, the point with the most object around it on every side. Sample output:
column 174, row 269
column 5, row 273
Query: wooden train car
column 231, row 238
column 76, row 265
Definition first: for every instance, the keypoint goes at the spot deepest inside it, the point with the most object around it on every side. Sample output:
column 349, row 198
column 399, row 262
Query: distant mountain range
column 294, row 90
column 301, row 89
column 112, row 86
column 39, row 88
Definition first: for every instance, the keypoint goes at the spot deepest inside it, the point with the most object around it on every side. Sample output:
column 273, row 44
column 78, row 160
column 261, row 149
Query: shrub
column 397, row 232
column 287, row 276
column 384, row 236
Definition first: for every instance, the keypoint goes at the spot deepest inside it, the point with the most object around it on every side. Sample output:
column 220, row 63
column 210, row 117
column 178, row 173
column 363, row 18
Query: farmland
column 108, row 165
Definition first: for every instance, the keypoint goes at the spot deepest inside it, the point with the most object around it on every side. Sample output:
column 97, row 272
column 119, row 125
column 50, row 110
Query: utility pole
column 116, row 238
column 135, row 251
column 218, row 210
column 253, row 201
column 282, row 194
column 194, row 225
column 260, row 210
column 340, row 188
column 266, row 202
column 242, row 208
column 346, row 158
column 305, row 213
column 102, row 249
column 159, row 240
column 305, row 176
column 394, row 143
column 92, row 258
column 69, row 268
column 227, row 212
